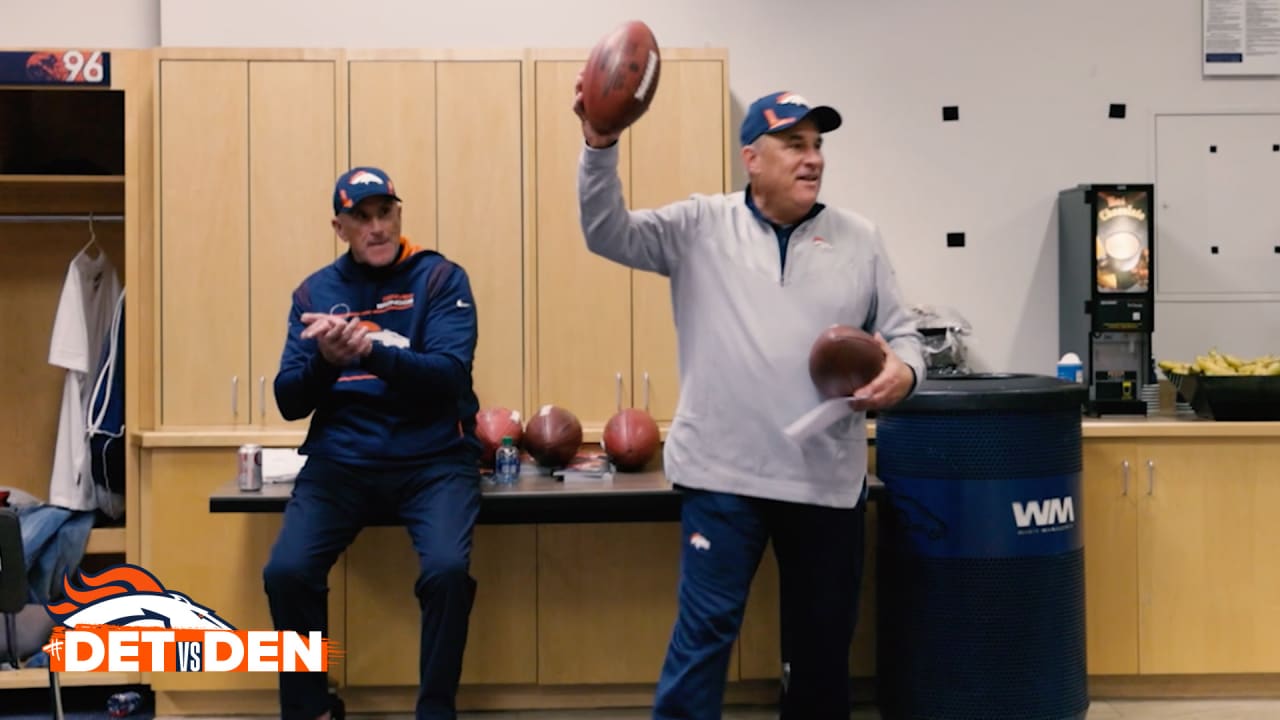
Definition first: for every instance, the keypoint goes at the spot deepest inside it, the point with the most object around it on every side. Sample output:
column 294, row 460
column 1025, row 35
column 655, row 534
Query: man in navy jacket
column 379, row 352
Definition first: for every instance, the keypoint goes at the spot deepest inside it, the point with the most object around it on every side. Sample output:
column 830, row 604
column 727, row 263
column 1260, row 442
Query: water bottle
column 506, row 463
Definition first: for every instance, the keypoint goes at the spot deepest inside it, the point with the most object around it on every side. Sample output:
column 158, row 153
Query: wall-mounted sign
column 1241, row 37
column 56, row 67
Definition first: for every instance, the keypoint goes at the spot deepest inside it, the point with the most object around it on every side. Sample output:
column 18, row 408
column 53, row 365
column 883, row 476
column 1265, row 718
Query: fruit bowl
column 1230, row 397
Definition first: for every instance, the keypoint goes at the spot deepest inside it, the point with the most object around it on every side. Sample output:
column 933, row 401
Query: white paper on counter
column 281, row 465
column 820, row 418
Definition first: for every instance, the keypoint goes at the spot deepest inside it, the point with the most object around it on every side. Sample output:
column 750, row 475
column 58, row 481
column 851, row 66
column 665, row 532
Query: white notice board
column 1241, row 37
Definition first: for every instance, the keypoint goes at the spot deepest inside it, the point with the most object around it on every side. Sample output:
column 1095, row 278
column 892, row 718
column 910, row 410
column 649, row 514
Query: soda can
column 249, row 468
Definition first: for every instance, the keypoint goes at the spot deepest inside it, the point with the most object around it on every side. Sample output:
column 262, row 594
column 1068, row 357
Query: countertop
column 627, row 497
column 1118, row 426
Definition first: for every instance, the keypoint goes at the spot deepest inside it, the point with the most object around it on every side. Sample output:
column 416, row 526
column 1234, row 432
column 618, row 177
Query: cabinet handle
column 646, row 391
column 235, row 396
column 618, row 390
column 262, row 397
column 1151, row 476
column 1125, row 465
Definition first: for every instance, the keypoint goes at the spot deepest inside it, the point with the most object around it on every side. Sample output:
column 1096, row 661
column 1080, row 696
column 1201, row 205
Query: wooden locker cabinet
column 244, row 187
column 606, row 601
column 74, row 151
column 403, row 142
column 677, row 149
column 454, row 150
column 292, row 168
column 480, row 187
column 382, row 611
column 204, row 249
column 597, row 320
column 216, row 559
column 481, row 147
column 583, row 300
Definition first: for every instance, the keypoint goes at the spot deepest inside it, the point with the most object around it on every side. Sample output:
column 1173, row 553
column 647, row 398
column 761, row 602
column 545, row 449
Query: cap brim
column 825, row 117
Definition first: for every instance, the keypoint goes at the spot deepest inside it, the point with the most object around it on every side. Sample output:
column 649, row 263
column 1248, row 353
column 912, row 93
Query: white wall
column 79, row 23
column 1033, row 81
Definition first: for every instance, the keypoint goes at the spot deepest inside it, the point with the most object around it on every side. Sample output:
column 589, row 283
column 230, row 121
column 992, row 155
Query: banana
column 1210, row 365
column 1218, row 364
column 1177, row 368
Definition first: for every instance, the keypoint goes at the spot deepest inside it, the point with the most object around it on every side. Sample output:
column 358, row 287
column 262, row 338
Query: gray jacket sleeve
column 646, row 239
column 892, row 319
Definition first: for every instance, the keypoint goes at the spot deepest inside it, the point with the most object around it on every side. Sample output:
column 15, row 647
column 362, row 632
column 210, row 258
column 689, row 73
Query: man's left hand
column 886, row 389
column 341, row 342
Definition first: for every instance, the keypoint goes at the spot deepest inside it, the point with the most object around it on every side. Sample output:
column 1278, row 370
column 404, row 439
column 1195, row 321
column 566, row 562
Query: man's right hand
column 593, row 138
column 341, row 342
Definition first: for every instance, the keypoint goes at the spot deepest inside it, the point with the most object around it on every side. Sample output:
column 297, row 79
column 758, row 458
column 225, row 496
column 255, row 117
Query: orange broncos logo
column 127, row 595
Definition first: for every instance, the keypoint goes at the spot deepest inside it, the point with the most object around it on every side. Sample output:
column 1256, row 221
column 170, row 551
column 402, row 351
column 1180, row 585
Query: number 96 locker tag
column 84, row 67
column 70, row 66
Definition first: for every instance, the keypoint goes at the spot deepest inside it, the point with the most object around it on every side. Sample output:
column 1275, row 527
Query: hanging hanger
column 93, row 240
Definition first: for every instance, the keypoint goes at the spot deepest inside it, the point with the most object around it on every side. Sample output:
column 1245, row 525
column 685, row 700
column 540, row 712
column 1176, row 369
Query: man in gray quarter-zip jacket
column 755, row 277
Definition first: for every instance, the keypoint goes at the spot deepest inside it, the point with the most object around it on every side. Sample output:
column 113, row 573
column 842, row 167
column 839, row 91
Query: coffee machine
column 1106, row 288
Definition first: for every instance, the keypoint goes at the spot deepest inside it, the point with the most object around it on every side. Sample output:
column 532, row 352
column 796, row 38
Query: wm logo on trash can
column 1048, row 514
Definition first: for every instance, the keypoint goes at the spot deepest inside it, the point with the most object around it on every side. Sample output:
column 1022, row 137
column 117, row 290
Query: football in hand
column 620, row 78
column 843, row 359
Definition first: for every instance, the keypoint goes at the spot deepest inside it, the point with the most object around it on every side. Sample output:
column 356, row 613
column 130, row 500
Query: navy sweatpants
column 331, row 502
column 819, row 552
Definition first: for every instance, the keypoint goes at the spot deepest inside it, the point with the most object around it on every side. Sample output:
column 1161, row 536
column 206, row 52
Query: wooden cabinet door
column 216, row 559
column 479, row 182
column 1109, row 520
column 204, row 242
column 606, row 601
column 1209, row 584
column 393, row 127
column 454, row 149
column 292, row 161
column 584, row 300
column 677, row 149
column 382, row 610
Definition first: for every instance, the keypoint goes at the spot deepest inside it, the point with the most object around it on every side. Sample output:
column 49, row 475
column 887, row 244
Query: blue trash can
column 980, row 565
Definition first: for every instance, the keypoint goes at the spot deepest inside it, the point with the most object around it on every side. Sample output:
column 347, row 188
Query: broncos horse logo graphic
column 364, row 177
column 128, row 596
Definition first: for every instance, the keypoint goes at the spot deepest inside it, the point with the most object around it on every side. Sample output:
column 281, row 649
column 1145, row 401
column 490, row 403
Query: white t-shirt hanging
column 82, row 323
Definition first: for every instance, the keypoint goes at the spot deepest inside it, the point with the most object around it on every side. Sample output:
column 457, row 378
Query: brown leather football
column 843, row 359
column 630, row 439
column 493, row 424
column 621, row 77
column 552, row 436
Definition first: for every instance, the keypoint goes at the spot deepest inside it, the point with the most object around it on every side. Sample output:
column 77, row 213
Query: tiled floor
column 1099, row 710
